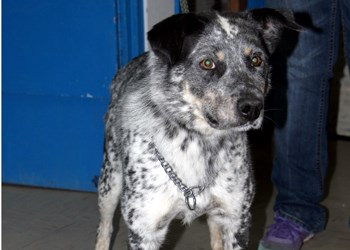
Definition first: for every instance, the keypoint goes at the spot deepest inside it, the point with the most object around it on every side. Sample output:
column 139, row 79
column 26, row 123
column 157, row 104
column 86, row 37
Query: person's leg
column 300, row 134
column 345, row 18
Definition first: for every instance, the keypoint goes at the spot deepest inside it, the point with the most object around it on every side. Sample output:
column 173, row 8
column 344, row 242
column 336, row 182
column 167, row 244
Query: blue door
column 58, row 60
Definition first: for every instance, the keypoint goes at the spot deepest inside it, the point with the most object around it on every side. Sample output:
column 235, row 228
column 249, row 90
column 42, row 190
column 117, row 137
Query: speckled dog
column 175, row 141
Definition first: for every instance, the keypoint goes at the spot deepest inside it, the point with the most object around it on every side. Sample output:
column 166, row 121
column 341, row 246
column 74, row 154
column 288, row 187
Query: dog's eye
column 256, row 61
column 207, row 64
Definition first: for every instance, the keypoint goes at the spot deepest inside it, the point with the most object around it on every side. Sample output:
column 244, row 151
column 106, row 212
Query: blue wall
column 58, row 59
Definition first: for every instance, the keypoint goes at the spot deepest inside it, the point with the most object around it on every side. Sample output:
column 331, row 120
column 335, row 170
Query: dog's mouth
column 214, row 123
column 246, row 115
column 206, row 123
column 240, row 125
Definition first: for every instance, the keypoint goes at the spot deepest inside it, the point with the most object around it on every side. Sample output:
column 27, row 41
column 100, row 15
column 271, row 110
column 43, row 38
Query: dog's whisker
column 268, row 110
column 270, row 119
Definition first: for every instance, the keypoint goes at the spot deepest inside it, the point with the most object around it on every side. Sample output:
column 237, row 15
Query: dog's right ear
column 273, row 22
column 173, row 38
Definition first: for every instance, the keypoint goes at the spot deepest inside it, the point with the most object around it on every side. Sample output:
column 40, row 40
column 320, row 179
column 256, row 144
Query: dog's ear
column 273, row 23
column 174, row 38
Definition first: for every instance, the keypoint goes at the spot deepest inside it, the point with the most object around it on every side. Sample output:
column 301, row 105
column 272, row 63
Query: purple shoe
column 284, row 235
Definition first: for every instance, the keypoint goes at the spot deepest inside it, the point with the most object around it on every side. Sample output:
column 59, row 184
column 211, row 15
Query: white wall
column 343, row 124
column 155, row 11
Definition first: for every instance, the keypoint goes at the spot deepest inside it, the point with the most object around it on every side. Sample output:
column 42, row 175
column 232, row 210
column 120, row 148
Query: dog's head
column 212, row 69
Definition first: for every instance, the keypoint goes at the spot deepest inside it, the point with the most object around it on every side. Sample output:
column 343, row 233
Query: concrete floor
column 40, row 219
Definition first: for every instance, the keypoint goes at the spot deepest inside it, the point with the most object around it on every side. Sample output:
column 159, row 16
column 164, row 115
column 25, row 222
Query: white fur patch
column 227, row 27
column 177, row 74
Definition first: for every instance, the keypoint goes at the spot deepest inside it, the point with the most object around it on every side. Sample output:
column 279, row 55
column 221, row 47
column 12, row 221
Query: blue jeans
column 303, row 67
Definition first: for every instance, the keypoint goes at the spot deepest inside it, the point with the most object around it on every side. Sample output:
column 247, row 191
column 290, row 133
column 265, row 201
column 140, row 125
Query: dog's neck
column 188, row 192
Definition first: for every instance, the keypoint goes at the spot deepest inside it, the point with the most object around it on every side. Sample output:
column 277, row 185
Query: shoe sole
column 308, row 238
column 261, row 247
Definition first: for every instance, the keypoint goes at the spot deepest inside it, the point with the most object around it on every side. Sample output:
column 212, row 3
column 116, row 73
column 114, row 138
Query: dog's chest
column 213, row 165
column 194, row 161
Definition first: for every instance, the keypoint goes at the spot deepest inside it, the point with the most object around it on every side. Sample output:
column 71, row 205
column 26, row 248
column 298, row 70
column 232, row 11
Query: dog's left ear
column 273, row 23
column 173, row 38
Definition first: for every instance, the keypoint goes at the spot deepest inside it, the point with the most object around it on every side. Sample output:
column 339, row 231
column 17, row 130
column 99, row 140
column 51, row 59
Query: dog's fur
column 195, row 112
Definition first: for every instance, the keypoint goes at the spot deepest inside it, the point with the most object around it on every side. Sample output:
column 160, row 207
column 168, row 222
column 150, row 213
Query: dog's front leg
column 148, row 215
column 215, row 234
column 228, row 233
column 142, row 241
column 144, row 234
column 109, row 191
column 229, row 222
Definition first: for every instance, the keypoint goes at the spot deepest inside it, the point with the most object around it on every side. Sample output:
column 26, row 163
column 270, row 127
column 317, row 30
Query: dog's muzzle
column 246, row 111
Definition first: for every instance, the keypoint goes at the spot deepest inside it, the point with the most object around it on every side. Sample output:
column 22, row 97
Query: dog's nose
column 250, row 108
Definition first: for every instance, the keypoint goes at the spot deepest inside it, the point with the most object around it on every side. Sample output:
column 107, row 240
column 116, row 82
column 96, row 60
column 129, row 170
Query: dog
column 175, row 130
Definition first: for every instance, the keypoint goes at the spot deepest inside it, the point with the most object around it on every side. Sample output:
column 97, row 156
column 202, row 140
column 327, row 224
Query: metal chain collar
column 184, row 6
column 190, row 198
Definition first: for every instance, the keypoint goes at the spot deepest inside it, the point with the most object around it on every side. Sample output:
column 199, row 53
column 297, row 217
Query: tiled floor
column 39, row 219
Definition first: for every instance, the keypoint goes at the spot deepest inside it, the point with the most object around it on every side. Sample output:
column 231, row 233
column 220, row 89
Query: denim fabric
column 302, row 69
